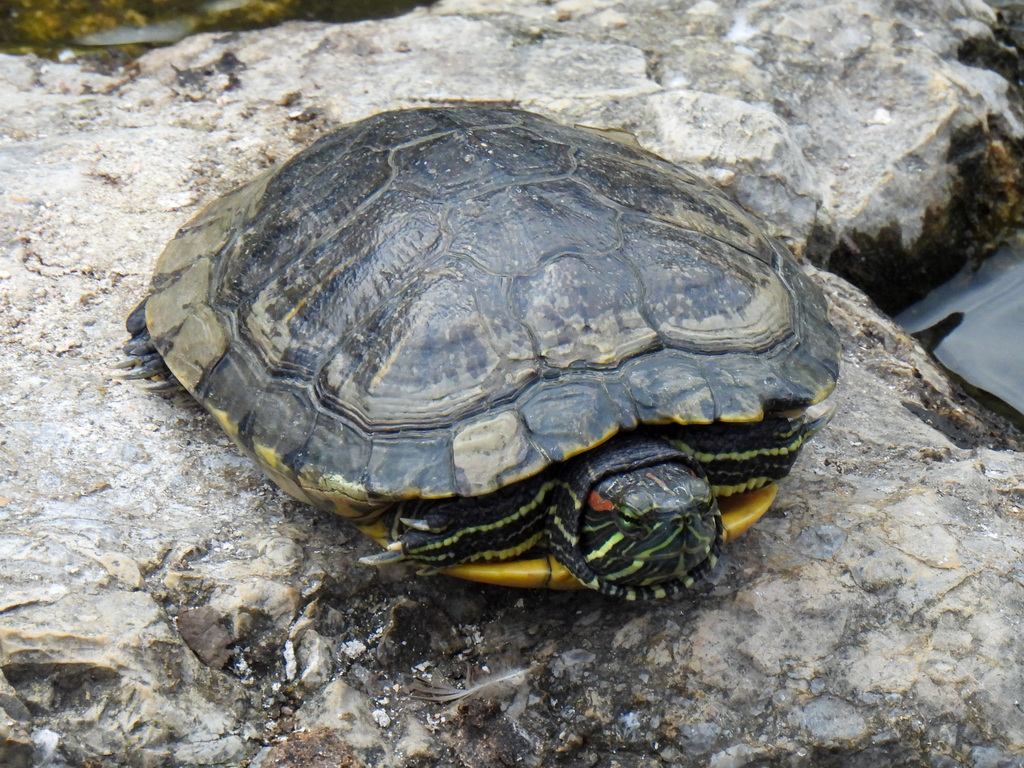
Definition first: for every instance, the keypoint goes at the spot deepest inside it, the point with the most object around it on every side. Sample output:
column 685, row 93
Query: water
column 974, row 325
column 130, row 27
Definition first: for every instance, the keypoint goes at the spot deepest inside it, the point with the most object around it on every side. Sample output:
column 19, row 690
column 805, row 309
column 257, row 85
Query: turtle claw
column 393, row 554
column 134, row 368
column 164, row 386
column 418, row 525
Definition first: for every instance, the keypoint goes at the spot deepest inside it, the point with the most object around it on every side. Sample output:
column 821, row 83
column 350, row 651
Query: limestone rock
column 16, row 747
column 109, row 663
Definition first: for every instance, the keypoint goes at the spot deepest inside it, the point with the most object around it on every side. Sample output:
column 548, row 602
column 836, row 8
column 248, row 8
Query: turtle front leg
column 440, row 533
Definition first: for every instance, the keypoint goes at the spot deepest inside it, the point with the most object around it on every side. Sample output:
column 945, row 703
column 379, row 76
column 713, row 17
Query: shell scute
column 461, row 163
column 569, row 418
column 517, row 229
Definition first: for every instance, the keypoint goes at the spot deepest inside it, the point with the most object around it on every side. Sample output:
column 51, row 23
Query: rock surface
column 163, row 605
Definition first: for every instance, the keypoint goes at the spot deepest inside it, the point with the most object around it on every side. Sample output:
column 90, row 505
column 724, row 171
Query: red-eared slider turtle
column 480, row 335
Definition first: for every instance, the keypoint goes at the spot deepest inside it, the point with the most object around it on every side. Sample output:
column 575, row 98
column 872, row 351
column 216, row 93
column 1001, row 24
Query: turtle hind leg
column 141, row 360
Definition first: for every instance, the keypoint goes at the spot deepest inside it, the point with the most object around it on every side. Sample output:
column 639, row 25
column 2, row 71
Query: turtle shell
column 444, row 301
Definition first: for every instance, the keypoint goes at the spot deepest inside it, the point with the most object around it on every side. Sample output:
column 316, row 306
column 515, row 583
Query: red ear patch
column 598, row 502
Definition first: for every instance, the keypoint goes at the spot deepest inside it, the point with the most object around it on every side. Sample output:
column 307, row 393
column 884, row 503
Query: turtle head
column 646, row 528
